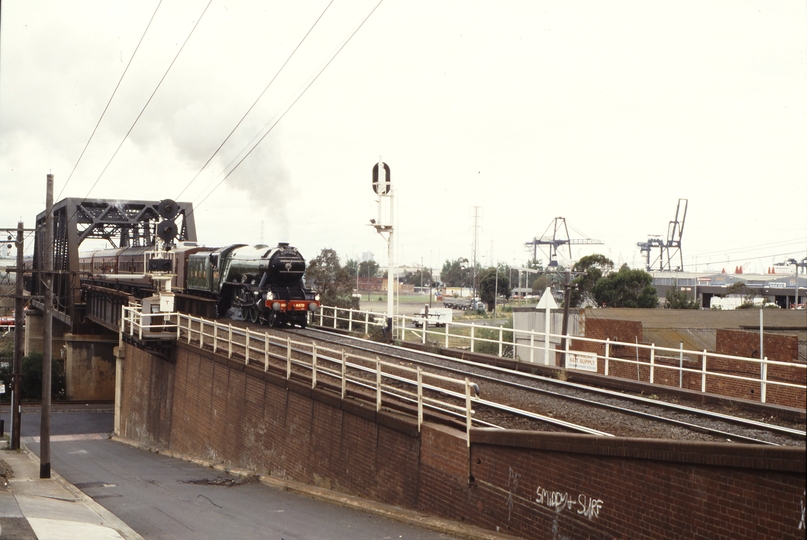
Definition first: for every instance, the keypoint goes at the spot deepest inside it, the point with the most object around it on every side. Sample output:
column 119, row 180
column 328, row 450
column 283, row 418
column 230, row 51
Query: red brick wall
column 728, row 342
column 783, row 348
column 202, row 404
column 629, row 488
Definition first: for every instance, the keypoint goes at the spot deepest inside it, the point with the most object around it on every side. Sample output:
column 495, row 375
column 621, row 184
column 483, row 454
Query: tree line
column 595, row 281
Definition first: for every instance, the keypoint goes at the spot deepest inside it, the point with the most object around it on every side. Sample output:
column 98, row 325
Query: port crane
column 669, row 248
column 559, row 238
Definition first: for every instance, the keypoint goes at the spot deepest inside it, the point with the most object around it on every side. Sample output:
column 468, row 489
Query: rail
column 640, row 361
column 145, row 326
column 387, row 381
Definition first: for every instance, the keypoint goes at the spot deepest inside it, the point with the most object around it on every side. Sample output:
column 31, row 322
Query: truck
column 463, row 303
column 433, row 317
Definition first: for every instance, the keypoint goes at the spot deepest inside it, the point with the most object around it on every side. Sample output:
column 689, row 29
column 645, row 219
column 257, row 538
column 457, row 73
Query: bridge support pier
column 89, row 367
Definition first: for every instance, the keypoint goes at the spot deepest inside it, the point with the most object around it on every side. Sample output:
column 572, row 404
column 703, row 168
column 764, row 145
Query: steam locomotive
column 258, row 283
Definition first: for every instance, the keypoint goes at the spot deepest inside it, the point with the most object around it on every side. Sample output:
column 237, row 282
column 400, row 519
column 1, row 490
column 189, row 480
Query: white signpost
column 547, row 303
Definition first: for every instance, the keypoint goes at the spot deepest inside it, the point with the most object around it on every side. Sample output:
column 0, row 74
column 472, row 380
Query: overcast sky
column 604, row 113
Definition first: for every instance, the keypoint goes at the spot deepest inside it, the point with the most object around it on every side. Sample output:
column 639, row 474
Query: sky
column 604, row 113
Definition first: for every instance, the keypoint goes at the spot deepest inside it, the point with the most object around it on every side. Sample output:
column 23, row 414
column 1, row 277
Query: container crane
column 560, row 237
column 671, row 247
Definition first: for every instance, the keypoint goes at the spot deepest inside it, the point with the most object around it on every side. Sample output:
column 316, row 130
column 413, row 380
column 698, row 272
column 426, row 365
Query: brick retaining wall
column 205, row 405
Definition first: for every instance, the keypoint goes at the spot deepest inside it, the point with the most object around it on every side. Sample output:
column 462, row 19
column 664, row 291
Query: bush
column 31, row 386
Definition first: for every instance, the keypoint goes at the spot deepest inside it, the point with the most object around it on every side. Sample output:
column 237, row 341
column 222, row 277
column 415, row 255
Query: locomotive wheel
column 253, row 314
column 269, row 319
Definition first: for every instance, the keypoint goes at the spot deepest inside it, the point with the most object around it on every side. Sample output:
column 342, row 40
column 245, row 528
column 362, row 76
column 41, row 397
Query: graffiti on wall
column 560, row 500
column 512, row 485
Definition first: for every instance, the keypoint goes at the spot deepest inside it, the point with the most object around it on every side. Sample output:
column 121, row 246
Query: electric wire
column 140, row 114
column 110, row 99
column 227, row 138
column 283, row 114
column 199, row 20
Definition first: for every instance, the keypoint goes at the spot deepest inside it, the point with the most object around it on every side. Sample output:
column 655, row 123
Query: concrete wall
column 529, row 484
column 88, row 360
column 89, row 367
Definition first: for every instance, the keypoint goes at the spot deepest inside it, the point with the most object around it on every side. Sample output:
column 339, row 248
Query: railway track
column 517, row 400
column 718, row 426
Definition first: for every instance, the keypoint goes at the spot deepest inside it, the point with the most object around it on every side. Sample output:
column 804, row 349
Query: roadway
column 162, row 497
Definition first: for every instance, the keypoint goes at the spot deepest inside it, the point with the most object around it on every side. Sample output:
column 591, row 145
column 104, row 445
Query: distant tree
column 456, row 273
column 592, row 268
column 423, row 276
column 488, row 286
column 333, row 282
column 678, row 299
column 626, row 288
column 351, row 266
column 368, row 268
column 536, row 264
column 540, row 284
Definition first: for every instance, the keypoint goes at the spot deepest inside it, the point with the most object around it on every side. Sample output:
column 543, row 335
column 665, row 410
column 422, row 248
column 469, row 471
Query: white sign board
column 582, row 361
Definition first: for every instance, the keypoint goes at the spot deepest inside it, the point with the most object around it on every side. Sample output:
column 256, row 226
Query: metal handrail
column 383, row 377
column 350, row 317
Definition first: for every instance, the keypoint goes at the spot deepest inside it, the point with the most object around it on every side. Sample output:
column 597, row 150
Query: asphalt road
column 163, row 497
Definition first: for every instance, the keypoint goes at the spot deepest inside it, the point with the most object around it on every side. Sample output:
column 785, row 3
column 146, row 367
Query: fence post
column 763, row 380
column 652, row 361
column 179, row 326
column 321, row 315
column 230, row 341
column 313, row 365
column 425, row 327
column 190, row 328
column 607, row 354
column 681, row 364
column 468, row 412
column 448, row 333
column 366, row 322
column 246, row 349
column 335, row 316
column 344, row 373
column 473, row 327
column 288, row 358
column 532, row 347
column 501, row 340
column 350, row 321
column 266, row 351
column 703, row 373
column 567, row 342
column 420, row 397
column 377, row 384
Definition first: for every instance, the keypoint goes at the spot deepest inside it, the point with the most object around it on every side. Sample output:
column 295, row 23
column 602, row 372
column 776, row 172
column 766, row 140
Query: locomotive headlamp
column 312, row 306
column 317, row 297
column 276, row 306
column 270, row 296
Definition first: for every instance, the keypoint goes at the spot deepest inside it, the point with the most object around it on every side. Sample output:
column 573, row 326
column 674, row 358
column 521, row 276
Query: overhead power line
column 110, row 99
column 294, row 102
column 227, row 138
column 199, row 20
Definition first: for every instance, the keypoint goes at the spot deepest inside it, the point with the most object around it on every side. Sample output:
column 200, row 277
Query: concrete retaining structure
column 527, row 484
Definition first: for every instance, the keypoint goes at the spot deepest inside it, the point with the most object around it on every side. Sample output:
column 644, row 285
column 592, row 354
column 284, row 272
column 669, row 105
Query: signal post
column 382, row 185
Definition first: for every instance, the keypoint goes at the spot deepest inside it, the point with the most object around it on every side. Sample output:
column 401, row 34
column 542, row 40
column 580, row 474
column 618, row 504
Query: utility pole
column 19, row 321
column 47, row 337
column 567, row 294
column 475, row 245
